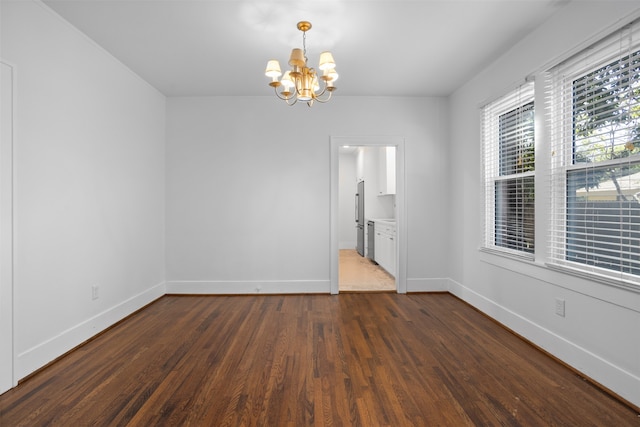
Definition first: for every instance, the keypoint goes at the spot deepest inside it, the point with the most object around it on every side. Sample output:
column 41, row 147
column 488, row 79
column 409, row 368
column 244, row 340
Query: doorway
column 6, row 227
column 385, row 208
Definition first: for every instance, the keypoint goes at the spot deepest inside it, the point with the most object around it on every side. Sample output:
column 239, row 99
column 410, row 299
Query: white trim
column 597, row 275
column 623, row 161
column 492, row 156
column 624, row 383
column 246, row 287
column 587, row 286
column 401, row 211
column 570, row 251
column 8, row 378
column 43, row 353
column 508, row 253
column 428, row 285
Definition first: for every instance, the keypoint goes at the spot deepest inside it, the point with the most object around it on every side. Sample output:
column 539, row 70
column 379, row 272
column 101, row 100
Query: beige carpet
column 361, row 274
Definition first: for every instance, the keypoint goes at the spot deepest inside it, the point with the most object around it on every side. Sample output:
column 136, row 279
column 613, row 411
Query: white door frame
column 7, row 110
column 401, row 211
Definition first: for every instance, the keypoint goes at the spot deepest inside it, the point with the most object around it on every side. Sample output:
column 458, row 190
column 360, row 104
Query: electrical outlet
column 95, row 292
column 560, row 307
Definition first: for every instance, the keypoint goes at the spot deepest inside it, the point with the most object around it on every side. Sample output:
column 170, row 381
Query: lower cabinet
column 385, row 247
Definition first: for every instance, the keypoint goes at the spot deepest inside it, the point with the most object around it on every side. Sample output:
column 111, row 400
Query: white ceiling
column 387, row 48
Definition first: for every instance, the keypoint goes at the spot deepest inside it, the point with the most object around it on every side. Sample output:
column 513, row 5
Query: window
column 595, row 159
column 509, row 172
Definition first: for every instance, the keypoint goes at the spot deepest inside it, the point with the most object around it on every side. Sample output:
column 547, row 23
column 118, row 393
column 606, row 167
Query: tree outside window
column 603, row 185
column 515, row 191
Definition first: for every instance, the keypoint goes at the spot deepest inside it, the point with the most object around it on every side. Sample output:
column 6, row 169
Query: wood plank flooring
column 357, row 359
column 357, row 273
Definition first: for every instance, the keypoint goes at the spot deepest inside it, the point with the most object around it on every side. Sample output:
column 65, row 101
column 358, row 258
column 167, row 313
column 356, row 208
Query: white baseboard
column 427, row 285
column 624, row 383
column 621, row 382
column 43, row 353
column 249, row 287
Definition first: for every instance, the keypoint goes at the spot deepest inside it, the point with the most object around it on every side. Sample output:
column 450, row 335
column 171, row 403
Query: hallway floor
column 360, row 274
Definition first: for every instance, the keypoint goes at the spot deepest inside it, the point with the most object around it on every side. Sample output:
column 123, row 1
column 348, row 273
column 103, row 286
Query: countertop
column 391, row 222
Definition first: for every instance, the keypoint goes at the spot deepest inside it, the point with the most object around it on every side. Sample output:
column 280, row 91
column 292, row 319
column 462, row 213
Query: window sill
column 519, row 256
column 616, row 291
column 595, row 277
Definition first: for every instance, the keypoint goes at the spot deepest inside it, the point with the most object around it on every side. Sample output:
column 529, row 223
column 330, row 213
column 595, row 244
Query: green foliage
column 606, row 111
column 517, row 142
column 609, row 99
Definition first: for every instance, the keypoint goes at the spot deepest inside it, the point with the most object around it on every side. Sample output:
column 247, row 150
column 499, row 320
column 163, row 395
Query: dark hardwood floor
column 370, row 359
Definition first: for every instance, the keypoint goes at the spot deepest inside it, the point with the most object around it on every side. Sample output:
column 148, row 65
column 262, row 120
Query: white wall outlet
column 95, row 292
column 560, row 307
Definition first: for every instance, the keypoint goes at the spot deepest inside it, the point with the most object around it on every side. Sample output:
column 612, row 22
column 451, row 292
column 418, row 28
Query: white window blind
column 594, row 187
column 508, row 165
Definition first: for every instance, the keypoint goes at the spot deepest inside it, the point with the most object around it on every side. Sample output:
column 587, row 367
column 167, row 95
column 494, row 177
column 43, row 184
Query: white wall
column 89, row 189
column 248, row 206
column 348, row 188
column 599, row 335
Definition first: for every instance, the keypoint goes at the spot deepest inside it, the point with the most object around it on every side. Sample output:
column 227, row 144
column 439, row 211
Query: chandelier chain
column 304, row 45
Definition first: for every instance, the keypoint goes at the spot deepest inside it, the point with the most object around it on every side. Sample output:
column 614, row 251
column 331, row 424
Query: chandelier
column 302, row 83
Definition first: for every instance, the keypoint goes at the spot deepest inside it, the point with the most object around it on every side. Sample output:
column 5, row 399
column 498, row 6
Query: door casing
column 401, row 223
column 7, row 98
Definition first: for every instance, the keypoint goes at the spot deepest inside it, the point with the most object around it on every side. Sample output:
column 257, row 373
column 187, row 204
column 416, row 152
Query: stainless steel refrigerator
column 360, row 225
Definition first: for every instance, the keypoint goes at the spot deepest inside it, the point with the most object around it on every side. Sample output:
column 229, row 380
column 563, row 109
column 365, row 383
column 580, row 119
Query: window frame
column 492, row 169
column 560, row 118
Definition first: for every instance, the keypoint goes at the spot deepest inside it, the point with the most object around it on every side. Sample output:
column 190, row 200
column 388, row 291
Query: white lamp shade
column 273, row 69
column 297, row 58
column 331, row 73
column 286, row 81
column 326, row 61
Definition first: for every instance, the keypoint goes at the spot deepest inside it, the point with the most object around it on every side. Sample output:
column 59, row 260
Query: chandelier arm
column 275, row 89
column 324, row 90
column 322, row 101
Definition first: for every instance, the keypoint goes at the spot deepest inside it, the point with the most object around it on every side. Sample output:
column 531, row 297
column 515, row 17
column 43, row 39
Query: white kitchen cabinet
column 387, row 171
column 385, row 246
column 379, row 242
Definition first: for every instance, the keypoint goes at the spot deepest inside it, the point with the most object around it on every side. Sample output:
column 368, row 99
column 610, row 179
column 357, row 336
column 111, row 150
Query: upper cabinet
column 387, row 171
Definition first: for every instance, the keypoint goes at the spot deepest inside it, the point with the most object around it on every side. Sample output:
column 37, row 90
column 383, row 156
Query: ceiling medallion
column 301, row 83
